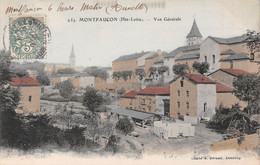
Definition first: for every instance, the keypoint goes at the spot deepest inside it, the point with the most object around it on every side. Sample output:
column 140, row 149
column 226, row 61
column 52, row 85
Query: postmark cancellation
column 27, row 36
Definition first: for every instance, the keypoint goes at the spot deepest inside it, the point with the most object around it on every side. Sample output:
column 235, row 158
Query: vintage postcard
column 129, row 81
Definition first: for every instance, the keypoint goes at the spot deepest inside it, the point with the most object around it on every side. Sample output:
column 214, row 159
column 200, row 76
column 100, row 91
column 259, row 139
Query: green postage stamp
column 27, row 37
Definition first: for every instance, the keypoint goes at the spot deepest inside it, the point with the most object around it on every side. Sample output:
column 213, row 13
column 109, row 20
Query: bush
column 92, row 99
column 66, row 89
column 112, row 145
column 55, row 99
column 236, row 122
column 43, row 79
column 76, row 98
column 179, row 69
column 121, row 91
column 125, row 126
column 75, row 137
column 201, row 68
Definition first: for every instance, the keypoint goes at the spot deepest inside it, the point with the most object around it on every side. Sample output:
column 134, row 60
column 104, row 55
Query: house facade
column 227, row 76
column 30, row 91
column 129, row 63
column 228, row 53
column 192, row 95
column 152, row 98
column 226, row 97
column 128, row 100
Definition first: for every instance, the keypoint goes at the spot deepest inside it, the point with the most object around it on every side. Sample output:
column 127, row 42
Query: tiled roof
column 227, row 52
column 188, row 56
column 155, row 90
column 233, row 40
column 130, row 94
column 132, row 113
column 236, row 72
column 199, row 79
column 194, row 32
column 221, row 88
column 182, row 49
column 24, row 81
column 237, row 56
column 130, row 57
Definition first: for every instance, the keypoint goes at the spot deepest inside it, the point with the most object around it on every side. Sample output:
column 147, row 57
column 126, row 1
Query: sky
column 99, row 43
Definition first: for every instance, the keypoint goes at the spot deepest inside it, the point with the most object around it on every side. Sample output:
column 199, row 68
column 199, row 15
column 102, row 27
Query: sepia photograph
column 129, row 81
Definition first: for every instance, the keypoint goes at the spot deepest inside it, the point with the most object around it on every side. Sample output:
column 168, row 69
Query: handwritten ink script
column 63, row 7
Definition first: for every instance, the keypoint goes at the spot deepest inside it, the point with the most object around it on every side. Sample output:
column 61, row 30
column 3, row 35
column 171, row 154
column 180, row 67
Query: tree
column 121, row 91
column 162, row 70
column 11, row 130
column 179, row 69
column 140, row 72
column 66, row 71
column 247, row 88
column 36, row 65
column 125, row 126
column 127, row 74
column 152, row 71
column 236, row 122
column 92, row 99
column 117, row 75
column 43, row 79
column 66, row 89
column 19, row 72
column 96, row 72
column 201, row 68
column 253, row 41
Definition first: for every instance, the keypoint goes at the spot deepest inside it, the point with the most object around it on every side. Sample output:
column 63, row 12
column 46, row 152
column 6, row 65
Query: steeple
column 72, row 52
column 194, row 37
column 72, row 58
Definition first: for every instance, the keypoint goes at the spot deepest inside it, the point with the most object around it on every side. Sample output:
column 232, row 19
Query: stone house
column 154, row 99
column 228, row 53
column 192, row 95
column 129, row 63
column 128, row 100
column 226, row 76
column 30, row 91
column 226, row 97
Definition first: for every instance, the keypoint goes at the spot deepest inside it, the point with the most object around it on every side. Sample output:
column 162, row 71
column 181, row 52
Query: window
column 206, row 60
column 188, row 105
column 131, row 101
column 30, row 98
column 150, row 108
column 179, row 104
column 187, row 63
column 205, row 107
column 214, row 59
column 231, row 64
column 252, row 56
column 143, row 109
column 188, row 93
column 181, row 83
column 179, row 93
column 187, row 114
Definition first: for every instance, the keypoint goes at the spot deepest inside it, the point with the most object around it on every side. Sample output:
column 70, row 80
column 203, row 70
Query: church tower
column 194, row 37
column 72, row 58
